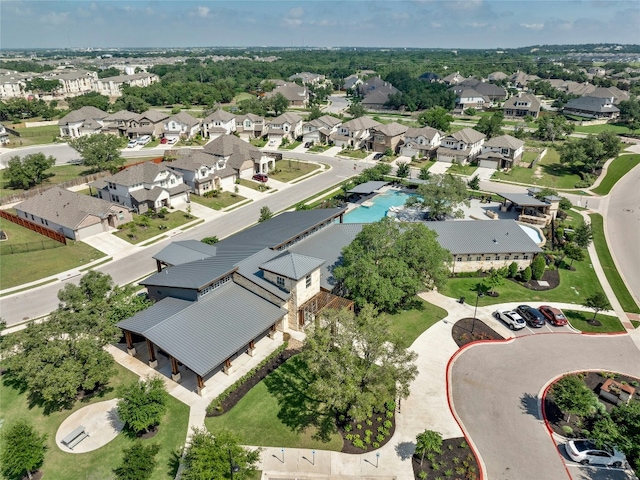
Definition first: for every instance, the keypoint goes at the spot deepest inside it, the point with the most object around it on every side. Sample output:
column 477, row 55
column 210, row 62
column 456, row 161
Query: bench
column 75, row 437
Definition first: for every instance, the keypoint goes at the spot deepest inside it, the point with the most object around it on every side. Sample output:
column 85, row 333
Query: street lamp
column 233, row 468
column 479, row 293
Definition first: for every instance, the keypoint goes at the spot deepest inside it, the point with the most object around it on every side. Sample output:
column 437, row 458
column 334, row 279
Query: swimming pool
column 378, row 209
column 534, row 233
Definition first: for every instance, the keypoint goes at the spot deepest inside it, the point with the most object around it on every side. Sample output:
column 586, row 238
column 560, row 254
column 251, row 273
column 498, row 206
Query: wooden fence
column 18, row 197
column 34, row 226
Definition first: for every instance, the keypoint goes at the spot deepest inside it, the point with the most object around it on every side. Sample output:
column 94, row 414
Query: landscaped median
column 615, row 171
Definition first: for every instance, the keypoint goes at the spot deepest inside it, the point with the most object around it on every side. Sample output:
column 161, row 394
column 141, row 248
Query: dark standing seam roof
column 367, row 187
column 523, row 199
column 185, row 251
column 205, row 333
column 156, row 313
column 292, row 265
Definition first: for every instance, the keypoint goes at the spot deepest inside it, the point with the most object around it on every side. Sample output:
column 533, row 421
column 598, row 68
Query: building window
column 507, row 257
column 308, row 281
column 280, row 281
column 497, row 257
column 525, row 257
column 468, row 258
column 459, row 259
column 478, row 259
column 516, row 257
column 488, row 259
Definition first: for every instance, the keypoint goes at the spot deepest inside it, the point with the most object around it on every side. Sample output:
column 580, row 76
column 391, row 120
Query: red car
column 553, row 315
column 163, row 140
column 260, row 177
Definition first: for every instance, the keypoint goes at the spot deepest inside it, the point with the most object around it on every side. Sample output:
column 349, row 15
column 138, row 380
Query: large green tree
column 41, row 85
column 138, row 462
column 28, row 171
column 436, row 117
column 597, row 302
column 22, row 450
column 356, row 363
column 387, row 264
column 278, row 103
column 573, row 397
column 218, row 455
column 100, row 151
column 89, row 99
column 553, row 127
column 442, row 195
column 491, row 126
column 142, row 404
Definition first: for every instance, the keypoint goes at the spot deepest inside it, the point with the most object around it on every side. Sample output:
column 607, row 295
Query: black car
column 378, row 156
column 531, row 315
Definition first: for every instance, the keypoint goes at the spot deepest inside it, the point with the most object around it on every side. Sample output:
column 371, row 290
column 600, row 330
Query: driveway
column 496, row 387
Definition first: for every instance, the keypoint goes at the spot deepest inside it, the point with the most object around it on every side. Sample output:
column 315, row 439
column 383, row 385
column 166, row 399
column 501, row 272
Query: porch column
column 159, row 266
column 153, row 362
column 200, row 384
column 227, row 366
column 341, row 217
column 131, row 350
column 272, row 332
column 252, row 347
column 175, row 373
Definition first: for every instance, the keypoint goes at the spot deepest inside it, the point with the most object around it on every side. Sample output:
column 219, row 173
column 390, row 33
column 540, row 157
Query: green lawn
column 277, row 413
column 615, row 171
column 607, row 127
column 258, row 186
column 242, row 96
column 134, row 232
column 410, row 324
column 223, row 200
column 289, row 146
column 152, row 143
column 578, row 320
column 462, row 169
column 98, row 464
column 318, row 148
column 609, row 267
column 529, row 156
column 258, row 142
column 33, row 136
column 61, row 173
column 287, row 170
column 360, row 154
column 583, row 280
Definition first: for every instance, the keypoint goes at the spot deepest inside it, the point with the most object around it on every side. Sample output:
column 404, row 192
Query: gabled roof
column 329, row 120
column 143, row 173
column 226, row 145
column 250, row 116
column 468, row 135
column 84, row 113
column 291, row 92
column 123, row 115
column 287, row 117
column 426, row 132
column 471, row 93
column 360, row 123
column 377, row 97
column 193, row 161
column 504, row 141
column 154, row 115
column 184, row 118
column 292, row 265
column 391, row 129
column 523, row 97
column 609, row 92
column 220, row 115
column 591, row 104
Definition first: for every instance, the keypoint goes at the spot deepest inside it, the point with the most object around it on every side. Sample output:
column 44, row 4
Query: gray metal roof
column 523, row 199
column 156, row 313
column 249, row 268
column 292, row 265
column 205, row 333
column 483, row 236
column 367, row 187
column 185, row 251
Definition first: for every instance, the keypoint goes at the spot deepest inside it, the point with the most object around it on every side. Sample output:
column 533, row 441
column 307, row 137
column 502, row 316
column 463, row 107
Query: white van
column 144, row 140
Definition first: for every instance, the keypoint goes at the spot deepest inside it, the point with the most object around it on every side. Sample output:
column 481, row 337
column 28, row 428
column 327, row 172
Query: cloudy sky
column 321, row 23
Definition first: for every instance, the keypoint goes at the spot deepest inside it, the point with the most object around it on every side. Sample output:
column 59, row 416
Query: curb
column 546, row 422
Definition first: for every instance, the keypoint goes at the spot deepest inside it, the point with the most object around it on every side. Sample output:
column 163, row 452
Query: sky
column 319, row 23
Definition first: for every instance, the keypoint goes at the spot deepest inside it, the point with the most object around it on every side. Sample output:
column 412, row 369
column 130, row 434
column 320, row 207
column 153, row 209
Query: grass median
column 615, row 171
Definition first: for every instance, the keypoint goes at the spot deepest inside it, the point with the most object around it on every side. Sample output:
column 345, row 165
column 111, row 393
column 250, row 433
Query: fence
column 538, row 158
column 18, row 197
column 58, row 237
column 28, row 247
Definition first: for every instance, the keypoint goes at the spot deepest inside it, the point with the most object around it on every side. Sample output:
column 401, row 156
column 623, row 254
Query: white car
column 172, row 140
column 586, row 452
column 512, row 318
column 132, row 143
column 144, row 140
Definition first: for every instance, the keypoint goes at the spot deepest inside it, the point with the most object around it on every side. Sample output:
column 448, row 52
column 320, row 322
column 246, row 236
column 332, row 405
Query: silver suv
column 513, row 320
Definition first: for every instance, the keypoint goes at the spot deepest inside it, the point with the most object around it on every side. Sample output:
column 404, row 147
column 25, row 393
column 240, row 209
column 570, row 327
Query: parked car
column 164, row 140
column 586, row 452
column 308, row 145
column 532, row 316
column 261, row 177
column 554, row 315
column 378, row 156
column 132, row 143
column 143, row 140
column 512, row 319
column 171, row 141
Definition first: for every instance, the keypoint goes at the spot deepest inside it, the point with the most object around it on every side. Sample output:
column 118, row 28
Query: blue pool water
column 533, row 233
column 378, row 210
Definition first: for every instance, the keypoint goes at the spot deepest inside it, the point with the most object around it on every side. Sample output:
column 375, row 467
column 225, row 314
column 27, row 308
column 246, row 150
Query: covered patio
column 531, row 210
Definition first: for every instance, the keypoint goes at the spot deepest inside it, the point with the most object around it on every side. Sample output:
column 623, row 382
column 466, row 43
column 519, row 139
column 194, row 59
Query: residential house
column 218, row 123
column 497, row 76
column 429, row 77
column 296, row 95
column 308, row 78
column 453, row 79
column 501, row 152
column 570, row 87
column 493, row 92
column 521, row 79
column 75, row 215
column 352, row 82
column 150, row 123
column 592, row 107
column 521, row 105
column 112, row 86
column 84, row 121
column 144, row 186
column 4, row 136
column 385, row 137
column 250, row 126
column 320, row 129
column 470, row 98
column 355, row 133
column 119, row 123
column 609, row 92
column 288, row 125
column 181, row 125
column 375, row 93
column 462, row 146
column 421, row 142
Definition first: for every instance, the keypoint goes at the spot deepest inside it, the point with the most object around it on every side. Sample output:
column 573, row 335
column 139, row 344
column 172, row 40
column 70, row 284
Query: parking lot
column 593, row 472
column 503, row 329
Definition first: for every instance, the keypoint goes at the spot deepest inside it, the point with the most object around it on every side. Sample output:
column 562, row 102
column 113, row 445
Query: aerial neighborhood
column 280, row 263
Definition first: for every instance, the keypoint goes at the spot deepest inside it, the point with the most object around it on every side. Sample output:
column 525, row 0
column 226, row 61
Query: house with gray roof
column 592, row 107
column 118, row 123
column 287, row 125
column 296, row 95
column 84, row 121
column 218, row 123
column 354, row 133
column 501, row 152
column 72, row 214
column 250, row 126
column 493, row 92
column 150, row 123
column 389, row 136
column 462, row 146
column 320, row 129
column 144, row 186
column 470, row 98
column 453, row 79
column 522, row 105
column 421, row 142
column 181, row 125
column 351, row 82
column 308, row 78
column 614, row 93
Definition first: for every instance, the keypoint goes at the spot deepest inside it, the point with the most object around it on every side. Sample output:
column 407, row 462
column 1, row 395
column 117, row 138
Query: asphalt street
column 496, row 392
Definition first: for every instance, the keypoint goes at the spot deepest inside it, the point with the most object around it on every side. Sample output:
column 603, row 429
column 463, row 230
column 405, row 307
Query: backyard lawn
column 32, row 136
column 287, row 170
column 223, row 200
column 143, row 228
column 100, row 463
column 615, row 171
column 578, row 320
column 607, row 127
column 410, row 324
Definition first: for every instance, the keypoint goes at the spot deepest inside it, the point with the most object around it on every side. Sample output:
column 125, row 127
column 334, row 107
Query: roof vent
column 495, row 240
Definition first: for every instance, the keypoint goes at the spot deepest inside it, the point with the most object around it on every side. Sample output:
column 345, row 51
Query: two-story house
column 218, row 123
column 112, row 86
column 501, row 152
column 288, row 125
column 150, row 123
column 453, row 79
column 250, row 126
column 308, row 78
column 355, row 133
column 119, row 123
column 84, row 121
column 421, row 142
column 462, row 146
column 521, row 105
column 181, row 125
column 385, row 137
column 296, row 95
column 144, row 186
column 493, row 92
column 320, row 129
column 592, row 107
column 470, row 98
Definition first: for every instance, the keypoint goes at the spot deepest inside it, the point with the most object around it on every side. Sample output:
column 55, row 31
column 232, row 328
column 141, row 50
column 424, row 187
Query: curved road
column 495, row 391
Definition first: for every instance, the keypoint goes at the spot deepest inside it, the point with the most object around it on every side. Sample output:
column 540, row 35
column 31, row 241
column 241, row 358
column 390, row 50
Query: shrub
column 387, row 424
column 375, row 445
column 368, row 422
column 380, row 437
column 347, row 428
column 526, row 274
column 537, row 267
column 390, row 414
column 358, row 444
column 513, row 270
column 567, row 429
column 422, row 475
column 368, row 433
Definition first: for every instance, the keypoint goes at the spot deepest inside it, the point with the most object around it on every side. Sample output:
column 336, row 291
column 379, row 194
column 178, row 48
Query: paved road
column 495, row 390
column 22, row 306
column 622, row 221
column 339, row 103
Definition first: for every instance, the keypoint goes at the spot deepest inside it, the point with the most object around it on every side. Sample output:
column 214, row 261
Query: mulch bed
column 550, row 276
column 466, row 331
column 456, row 462
column 377, row 420
column 34, row 476
column 557, row 419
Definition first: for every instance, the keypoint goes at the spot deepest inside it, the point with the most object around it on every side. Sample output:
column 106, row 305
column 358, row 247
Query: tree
column 537, row 267
column 265, row 214
column 574, row 252
column 403, row 170
column 22, row 449
column 356, row 110
column 597, row 302
column 210, row 240
column 355, row 362
column 138, row 462
column 611, row 144
column 565, row 203
column 630, row 113
column 278, row 103
column 573, row 153
column 526, row 274
column 604, row 432
column 424, row 173
column 386, row 265
column 428, row 442
column 513, row 270
column 495, row 279
column 441, row 196
column 131, row 103
column 627, row 419
column 142, row 403
column 314, row 113
column 29, row 171
column 100, row 151
column 215, row 454
column 553, row 127
column 41, row 85
column 573, row 397
column 583, row 234
column 89, row 99
column 437, row 117
column 491, row 126
column 474, row 183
